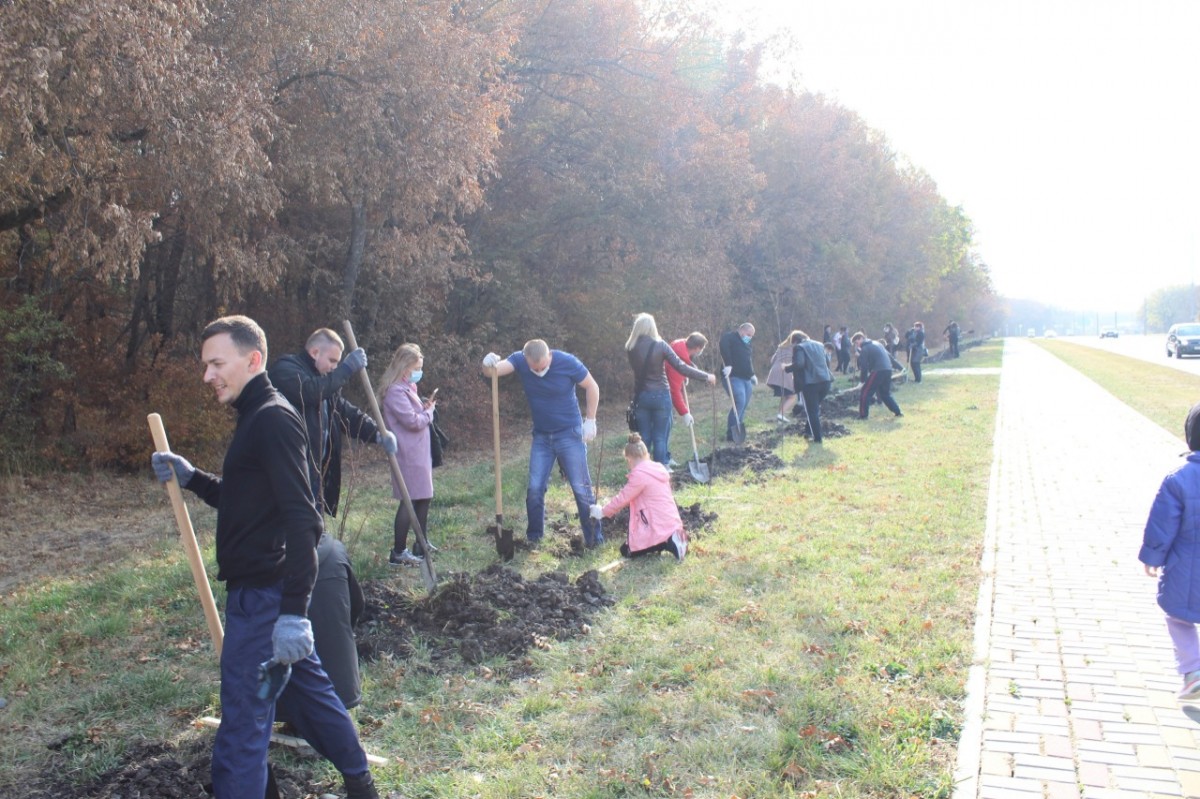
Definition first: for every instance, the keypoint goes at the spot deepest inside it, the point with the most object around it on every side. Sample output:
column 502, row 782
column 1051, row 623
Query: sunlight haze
column 1066, row 129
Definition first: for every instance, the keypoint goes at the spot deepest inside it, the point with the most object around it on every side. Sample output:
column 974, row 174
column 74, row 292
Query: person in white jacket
column 654, row 521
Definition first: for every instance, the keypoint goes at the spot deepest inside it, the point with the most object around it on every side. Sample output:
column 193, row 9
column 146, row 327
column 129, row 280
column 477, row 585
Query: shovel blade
column 739, row 433
column 503, row 536
column 699, row 471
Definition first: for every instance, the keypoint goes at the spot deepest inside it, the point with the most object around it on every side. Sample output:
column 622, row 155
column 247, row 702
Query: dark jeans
column 239, row 760
column 878, row 383
column 813, row 394
column 654, row 422
column 914, row 361
column 566, row 448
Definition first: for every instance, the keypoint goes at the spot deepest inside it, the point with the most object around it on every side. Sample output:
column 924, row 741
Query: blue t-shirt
column 553, row 403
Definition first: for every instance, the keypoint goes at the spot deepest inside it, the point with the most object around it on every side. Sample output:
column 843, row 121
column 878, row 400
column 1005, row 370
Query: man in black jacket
column 268, row 526
column 876, row 367
column 312, row 381
column 738, row 360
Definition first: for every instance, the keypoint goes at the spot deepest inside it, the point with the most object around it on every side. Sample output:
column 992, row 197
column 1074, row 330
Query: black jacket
column 874, row 357
column 267, row 522
column 737, row 353
column 327, row 417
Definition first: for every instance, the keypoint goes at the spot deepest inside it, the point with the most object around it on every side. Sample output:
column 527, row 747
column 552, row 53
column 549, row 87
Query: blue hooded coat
column 1172, row 541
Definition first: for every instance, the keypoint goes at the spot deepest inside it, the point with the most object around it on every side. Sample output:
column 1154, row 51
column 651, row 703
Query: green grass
column 1160, row 393
column 816, row 641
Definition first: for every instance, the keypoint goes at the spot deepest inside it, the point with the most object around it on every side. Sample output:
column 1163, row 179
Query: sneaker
column 680, row 541
column 360, row 786
column 1191, row 685
column 404, row 558
column 672, row 463
column 779, row 418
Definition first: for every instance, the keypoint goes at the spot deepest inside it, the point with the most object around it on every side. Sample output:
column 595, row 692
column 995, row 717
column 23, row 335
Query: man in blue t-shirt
column 550, row 378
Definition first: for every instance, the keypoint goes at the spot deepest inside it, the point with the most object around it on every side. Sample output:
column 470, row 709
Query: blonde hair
column 636, row 448
column 643, row 325
column 795, row 337
column 323, row 336
column 405, row 358
column 535, row 350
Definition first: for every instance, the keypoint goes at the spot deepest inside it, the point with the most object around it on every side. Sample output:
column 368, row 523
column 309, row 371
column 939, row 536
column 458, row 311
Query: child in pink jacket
column 654, row 522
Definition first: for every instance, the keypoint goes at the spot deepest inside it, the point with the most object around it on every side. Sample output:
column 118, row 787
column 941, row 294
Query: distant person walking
column 917, row 350
column 1171, row 552
column 951, row 334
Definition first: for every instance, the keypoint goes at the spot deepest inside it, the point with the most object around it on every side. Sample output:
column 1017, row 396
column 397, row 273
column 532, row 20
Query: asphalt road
column 1151, row 348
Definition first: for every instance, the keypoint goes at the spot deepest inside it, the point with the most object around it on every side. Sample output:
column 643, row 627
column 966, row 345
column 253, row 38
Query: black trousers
column 813, row 394
column 878, row 383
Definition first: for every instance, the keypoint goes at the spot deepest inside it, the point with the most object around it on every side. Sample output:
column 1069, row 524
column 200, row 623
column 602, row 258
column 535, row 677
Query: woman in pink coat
column 654, row 523
column 409, row 418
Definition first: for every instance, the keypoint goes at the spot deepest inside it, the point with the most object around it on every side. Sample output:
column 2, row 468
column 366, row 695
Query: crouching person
column 654, row 522
column 268, row 526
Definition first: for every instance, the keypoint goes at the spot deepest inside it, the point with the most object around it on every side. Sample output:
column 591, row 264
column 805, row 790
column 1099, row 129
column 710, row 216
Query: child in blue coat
column 1171, row 552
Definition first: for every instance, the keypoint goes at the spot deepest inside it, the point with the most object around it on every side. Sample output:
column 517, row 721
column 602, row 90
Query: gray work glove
column 490, row 360
column 727, row 370
column 292, row 639
column 166, row 464
column 387, row 439
column 356, row 360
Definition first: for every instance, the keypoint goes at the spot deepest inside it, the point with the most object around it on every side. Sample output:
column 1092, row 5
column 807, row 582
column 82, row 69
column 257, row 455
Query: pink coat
column 653, row 514
column 406, row 417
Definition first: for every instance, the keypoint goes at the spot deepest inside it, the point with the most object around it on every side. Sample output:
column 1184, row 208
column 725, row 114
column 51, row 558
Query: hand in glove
column 589, row 430
column 754, row 380
column 388, row 440
column 596, row 512
column 712, row 380
column 292, row 639
column 727, row 370
column 167, row 463
column 688, row 420
column 356, row 360
column 490, row 360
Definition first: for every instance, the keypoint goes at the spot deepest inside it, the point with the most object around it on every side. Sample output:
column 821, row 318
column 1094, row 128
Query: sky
column 1068, row 130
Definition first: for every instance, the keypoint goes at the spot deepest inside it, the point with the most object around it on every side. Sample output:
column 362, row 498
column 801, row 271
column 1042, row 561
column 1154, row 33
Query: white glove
column 727, row 370
column 754, row 380
column 490, row 360
column 596, row 512
column 688, row 420
column 589, row 430
column 387, row 439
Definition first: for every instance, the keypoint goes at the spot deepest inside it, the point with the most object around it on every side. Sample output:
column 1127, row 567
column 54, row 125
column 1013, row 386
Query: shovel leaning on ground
column 698, row 470
column 503, row 536
column 427, row 573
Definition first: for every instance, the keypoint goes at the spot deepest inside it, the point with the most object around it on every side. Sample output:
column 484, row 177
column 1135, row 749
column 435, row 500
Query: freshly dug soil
column 471, row 618
column 169, row 771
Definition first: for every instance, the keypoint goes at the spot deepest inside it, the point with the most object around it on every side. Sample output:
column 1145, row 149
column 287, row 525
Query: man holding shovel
column 550, row 378
column 739, row 375
column 268, row 526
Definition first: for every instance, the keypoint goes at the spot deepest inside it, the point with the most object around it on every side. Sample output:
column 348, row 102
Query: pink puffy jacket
column 653, row 514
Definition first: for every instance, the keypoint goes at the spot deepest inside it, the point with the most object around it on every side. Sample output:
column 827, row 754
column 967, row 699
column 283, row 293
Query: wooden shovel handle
column 187, row 536
column 496, row 444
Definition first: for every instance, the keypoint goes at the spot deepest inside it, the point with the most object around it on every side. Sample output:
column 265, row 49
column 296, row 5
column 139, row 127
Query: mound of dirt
column 166, row 771
column 731, row 460
column 495, row 613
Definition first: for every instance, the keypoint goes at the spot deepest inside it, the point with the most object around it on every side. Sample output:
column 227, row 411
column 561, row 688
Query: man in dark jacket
column 268, row 526
column 739, row 371
column 312, row 381
column 917, row 353
column 876, row 367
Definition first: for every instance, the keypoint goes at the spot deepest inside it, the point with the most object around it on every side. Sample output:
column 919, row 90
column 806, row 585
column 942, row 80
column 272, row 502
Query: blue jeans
column 567, row 448
column 654, row 422
column 741, row 398
column 239, row 759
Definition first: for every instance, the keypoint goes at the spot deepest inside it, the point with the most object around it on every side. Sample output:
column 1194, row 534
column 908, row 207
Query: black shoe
column 360, row 787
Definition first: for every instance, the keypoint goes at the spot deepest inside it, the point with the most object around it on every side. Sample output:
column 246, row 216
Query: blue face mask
column 746, row 339
column 415, row 377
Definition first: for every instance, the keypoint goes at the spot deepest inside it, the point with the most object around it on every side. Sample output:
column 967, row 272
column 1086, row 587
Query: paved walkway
column 1072, row 692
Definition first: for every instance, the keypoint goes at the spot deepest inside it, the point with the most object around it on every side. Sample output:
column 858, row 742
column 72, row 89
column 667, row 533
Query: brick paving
column 1072, row 689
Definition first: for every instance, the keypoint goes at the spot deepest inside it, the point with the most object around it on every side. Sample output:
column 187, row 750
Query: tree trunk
column 354, row 257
